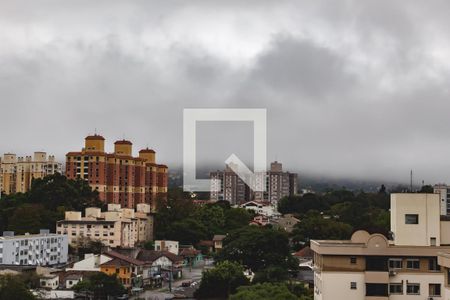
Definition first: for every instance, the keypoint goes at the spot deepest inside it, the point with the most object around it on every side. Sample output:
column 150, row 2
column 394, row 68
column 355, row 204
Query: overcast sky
column 352, row 88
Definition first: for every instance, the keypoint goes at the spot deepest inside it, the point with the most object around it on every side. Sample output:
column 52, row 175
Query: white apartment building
column 43, row 249
column 369, row 266
column 116, row 227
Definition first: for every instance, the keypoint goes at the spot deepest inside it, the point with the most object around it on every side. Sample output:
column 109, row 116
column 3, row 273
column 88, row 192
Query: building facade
column 17, row 173
column 116, row 227
column 43, row 249
column 119, row 177
column 226, row 185
column 444, row 192
column 369, row 266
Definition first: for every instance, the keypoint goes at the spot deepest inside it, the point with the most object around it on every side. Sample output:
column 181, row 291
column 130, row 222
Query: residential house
column 90, row 263
column 218, row 242
column 71, row 280
column 124, row 267
column 171, row 246
column 262, row 208
column 164, row 261
column 49, row 281
column 191, row 257
column 287, row 222
column 260, row 221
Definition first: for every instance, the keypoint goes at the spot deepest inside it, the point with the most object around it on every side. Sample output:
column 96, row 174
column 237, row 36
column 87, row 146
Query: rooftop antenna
column 411, row 182
column 95, row 131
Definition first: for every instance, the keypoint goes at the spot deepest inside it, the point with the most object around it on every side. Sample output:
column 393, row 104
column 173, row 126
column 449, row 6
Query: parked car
column 186, row 283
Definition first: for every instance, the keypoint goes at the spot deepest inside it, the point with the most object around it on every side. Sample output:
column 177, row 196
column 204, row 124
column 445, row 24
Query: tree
column 56, row 190
column 265, row 291
column 256, row 247
column 236, row 218
column 314, row 226
column 12, row 287
column 271, row 274
column 427, row 189
column 221, row 281
column 212, row 217
column 27, row 218
column 187, row 231
column 101, row 285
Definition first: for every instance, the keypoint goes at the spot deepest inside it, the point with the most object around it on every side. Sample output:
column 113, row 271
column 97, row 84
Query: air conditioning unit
column 392, row 273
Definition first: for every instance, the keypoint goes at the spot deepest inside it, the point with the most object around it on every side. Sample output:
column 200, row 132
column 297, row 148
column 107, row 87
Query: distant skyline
column 353, row 89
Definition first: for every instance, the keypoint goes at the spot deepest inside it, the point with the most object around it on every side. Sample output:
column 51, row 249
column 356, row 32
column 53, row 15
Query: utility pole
column 411, row 182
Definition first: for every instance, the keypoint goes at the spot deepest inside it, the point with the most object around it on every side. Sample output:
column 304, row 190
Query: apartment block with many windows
column 226, row 185
column 369, row 266
column 43, row 249
column 17, row 173
column 116, row 227
column 119, row 177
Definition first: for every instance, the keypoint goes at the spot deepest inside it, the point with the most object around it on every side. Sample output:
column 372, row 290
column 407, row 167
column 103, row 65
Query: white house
column 91, row 262
column 50, row 281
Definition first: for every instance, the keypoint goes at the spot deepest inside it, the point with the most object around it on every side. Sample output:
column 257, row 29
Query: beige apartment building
column 414, row 265
column 17, row 173
column 116, row 227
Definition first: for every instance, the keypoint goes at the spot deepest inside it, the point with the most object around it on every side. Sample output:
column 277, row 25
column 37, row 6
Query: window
column 433, row 265
column 396, row 288
column 434, row 289
column 433, row 241
column 353, row 285
column 412, row 264
column 353, row 260
column 413, row 288
column 411, row 219
column 395, row 263
column 377, row 289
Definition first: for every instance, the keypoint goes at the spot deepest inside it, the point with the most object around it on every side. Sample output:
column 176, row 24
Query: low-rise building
column 218, row 241
column 171, row 246
column 262, row 208
column 116, row 227
column 369, row 266
column 43, row 249
column 90, row 263
column 287, row 222
column 50, row 281
column 123, row 267
column 71, row 280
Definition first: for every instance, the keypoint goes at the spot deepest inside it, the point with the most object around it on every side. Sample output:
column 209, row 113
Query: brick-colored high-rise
column 119, row 177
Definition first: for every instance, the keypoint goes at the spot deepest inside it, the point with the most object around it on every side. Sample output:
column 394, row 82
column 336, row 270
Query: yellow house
column 123, row 267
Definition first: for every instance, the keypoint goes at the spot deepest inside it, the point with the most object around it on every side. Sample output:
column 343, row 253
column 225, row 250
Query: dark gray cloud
column 355, row 88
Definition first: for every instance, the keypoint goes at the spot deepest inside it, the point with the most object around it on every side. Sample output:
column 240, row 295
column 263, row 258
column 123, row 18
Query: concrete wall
column 427, row 207
column 336, row 285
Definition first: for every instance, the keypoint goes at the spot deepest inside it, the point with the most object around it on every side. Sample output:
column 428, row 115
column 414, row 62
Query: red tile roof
column 94, row 137
column 123, row 142
column 128, row 259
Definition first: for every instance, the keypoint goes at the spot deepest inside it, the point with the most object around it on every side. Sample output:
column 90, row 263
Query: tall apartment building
column 369, row 266
column 226, row 185
column 17, row 173
column 119, row 177
column 43, row 249
column 116, row 227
